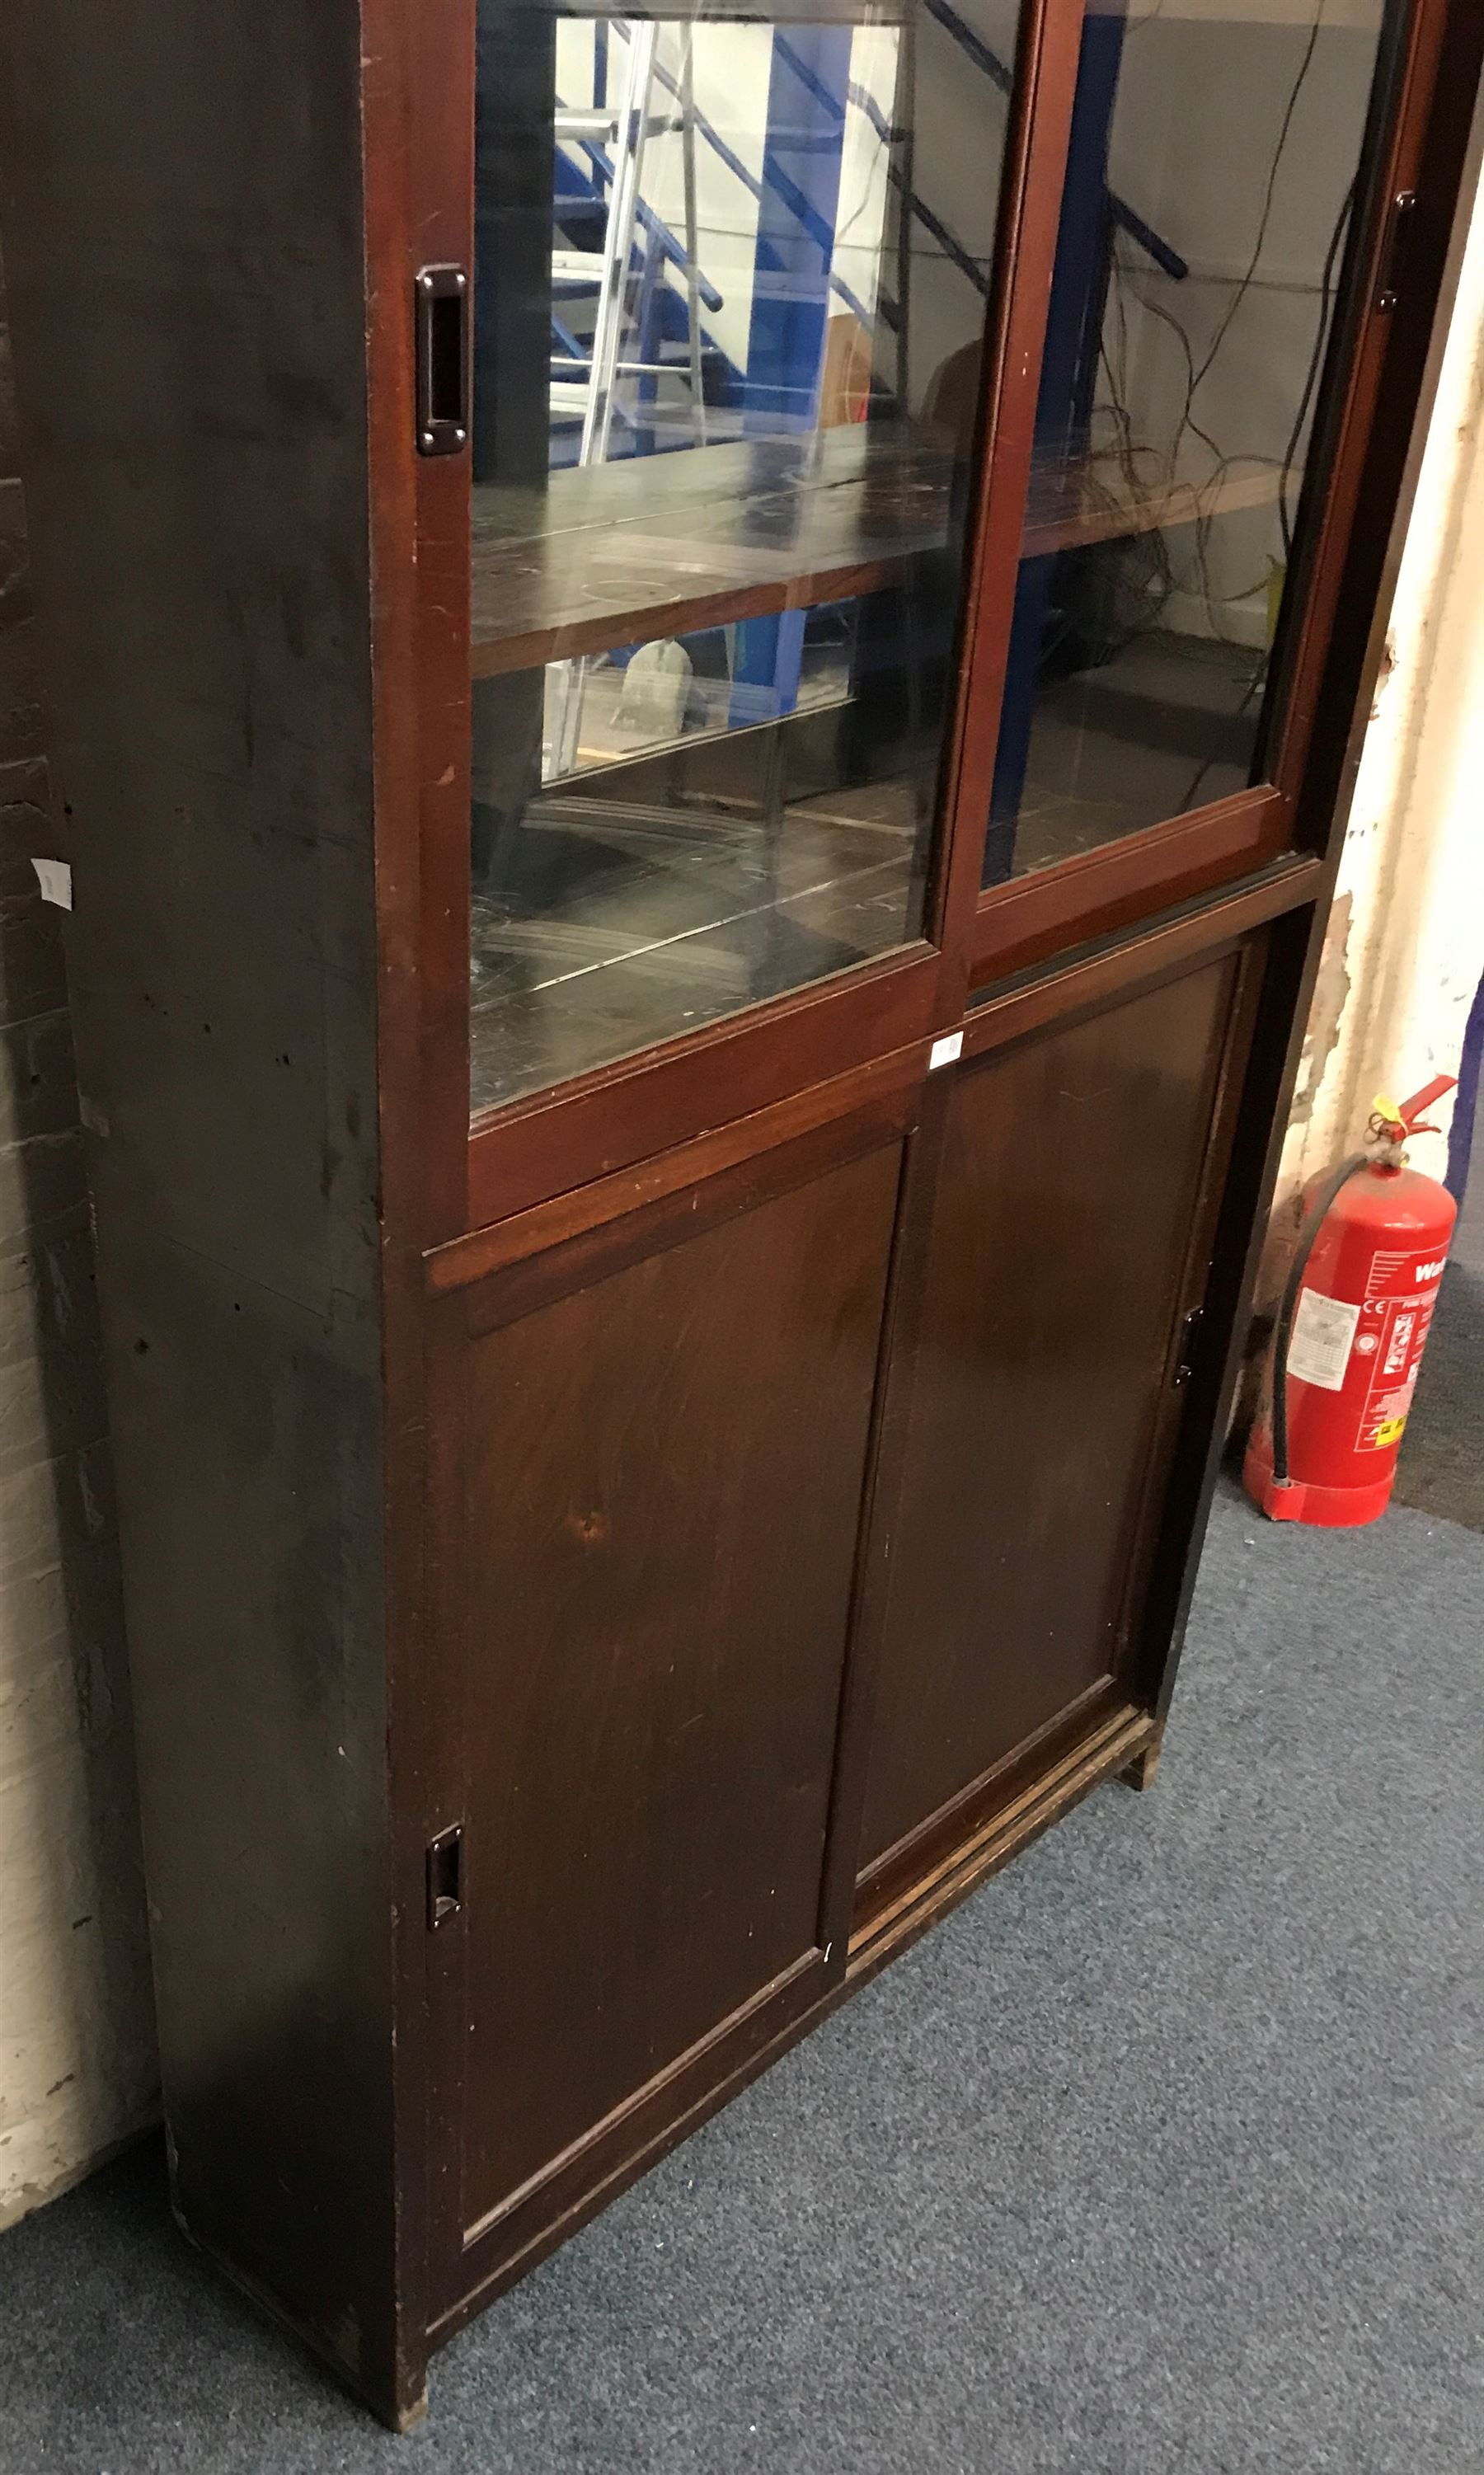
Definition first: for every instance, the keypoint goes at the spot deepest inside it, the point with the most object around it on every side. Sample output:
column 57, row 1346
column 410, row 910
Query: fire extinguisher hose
column 1288, row 1305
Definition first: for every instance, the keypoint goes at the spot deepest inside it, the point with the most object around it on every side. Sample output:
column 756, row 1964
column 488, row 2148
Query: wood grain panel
column 663, row 1473
column 603, row 553
column 1066, row 1174
column 193, row 387
column 661, row 544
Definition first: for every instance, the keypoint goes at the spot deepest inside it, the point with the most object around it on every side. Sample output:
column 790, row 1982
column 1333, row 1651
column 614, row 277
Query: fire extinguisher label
column 1319, row 1347
column 1396, row 1350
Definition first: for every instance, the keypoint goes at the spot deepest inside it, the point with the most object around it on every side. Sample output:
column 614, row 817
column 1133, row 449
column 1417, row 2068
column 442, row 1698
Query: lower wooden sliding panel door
column 787, row 1528
column 657, row 1447
column 1060, row 1212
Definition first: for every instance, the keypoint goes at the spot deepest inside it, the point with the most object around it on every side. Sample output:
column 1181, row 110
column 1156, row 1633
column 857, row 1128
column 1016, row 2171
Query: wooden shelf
column 659, row 545
column 1070, row 506
column 1336, row 14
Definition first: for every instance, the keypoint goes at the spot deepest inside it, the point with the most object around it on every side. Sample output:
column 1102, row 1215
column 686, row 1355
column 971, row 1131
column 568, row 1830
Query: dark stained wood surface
column 881, row 1094
column 663, row 1473
column 1046, row 74
column 1059, row 1225
column 193, row 389
column 1070, row 505
column 642, row 1106
column 416, row 131
column 1031, row 917
column 1378, row 374
column 420, row 191
column 512, row 1227
column 653, row 545
column 660, row 543
column 1057, row 1769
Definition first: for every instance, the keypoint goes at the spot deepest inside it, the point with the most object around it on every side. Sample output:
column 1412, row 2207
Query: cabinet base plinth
column 1140, row 1772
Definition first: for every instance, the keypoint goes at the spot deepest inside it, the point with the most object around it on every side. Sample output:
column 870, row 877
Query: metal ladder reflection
column 589, row 384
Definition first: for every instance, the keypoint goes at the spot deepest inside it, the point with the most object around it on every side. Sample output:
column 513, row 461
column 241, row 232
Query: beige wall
column 1406, row 945
column 76, row 2030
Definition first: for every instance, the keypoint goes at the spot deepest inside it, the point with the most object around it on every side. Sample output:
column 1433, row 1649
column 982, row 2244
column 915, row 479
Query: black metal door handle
column 1393, row 254
column 442, row 360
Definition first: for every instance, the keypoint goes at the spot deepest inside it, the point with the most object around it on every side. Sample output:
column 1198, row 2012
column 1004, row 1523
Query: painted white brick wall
column 77, row 2066
column 1406, row 947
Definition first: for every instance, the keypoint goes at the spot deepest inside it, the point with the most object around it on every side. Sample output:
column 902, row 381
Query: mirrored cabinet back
column 704, row 670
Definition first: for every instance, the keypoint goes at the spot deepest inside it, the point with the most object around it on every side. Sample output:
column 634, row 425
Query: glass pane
column 1214, row 157
column 729, row 303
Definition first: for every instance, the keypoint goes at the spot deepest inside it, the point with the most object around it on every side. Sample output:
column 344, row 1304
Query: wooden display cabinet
column 703, row 675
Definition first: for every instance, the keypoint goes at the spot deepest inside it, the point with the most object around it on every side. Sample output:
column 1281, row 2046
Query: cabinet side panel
column 183, row 224
column 1061, row 1225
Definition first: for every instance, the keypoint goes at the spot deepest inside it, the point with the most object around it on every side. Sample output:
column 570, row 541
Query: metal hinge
column 444, row 1875
column 1185, row 1355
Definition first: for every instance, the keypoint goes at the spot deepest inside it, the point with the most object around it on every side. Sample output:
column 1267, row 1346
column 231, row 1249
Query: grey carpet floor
column 1165, row 2154
column 1442, row 1464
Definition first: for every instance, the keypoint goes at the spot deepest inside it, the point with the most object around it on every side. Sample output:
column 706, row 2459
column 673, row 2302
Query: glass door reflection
column 1213, row 174
column 730, row 289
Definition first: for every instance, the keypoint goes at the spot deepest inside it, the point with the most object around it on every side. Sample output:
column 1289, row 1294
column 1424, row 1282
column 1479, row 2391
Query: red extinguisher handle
column 1412, row 1110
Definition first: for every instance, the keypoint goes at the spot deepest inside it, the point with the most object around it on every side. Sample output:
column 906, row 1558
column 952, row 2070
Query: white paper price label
column 55, row 878
column 1318, row 1348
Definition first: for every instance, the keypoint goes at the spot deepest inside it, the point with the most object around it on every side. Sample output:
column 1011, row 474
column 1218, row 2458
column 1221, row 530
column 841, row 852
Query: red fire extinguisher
column 1350, row 1327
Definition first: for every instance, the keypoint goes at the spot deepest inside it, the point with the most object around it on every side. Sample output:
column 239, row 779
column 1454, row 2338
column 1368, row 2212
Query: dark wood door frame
column 624, row 1113
column 1046, row 90
column 419, row 103
column 420, row 181
column 1430, row 62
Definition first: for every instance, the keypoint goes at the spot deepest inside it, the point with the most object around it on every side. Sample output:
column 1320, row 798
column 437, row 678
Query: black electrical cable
column 1266, row 217
column 1288, row 1305
column 1195, row 375
column 1160, row 585
column 1255, row 687
column 1316, row 365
